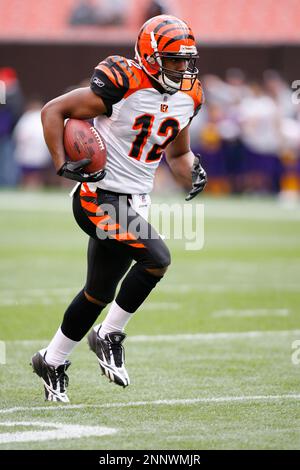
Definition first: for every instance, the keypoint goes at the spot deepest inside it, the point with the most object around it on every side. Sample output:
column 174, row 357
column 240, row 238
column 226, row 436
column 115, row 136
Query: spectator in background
column 111, row 12
column 217, row 130
column 249, row 134
column 238, row 90
column 84, row 13
column 261, row 136
column 236, row 84
column 31, row 152
column 279, row 91
column 155, row 8
column 210, row 146
column 9, row 114
column 99, row 13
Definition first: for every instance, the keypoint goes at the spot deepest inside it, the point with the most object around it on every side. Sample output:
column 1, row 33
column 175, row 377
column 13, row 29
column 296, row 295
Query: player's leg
column 151, row 254
column 152, row 259
column 106, row 339
column 103, row 275
column 151, row 264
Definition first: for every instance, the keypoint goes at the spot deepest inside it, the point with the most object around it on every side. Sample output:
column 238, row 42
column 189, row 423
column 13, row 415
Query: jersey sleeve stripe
column 119, row 76
column 120, row 72
column 127, row 71
column 105, row 66
column 109, row 73
column 124, row 66
column 125, row 78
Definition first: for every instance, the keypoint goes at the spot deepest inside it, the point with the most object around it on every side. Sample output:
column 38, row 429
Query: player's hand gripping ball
column 86, row 150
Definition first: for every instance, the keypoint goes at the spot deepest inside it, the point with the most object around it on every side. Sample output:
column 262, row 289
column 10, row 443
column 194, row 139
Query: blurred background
column 248, row 132
column 232, row 380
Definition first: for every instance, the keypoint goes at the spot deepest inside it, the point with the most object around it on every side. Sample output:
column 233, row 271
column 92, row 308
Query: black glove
column 73, row 171
column 199, row 179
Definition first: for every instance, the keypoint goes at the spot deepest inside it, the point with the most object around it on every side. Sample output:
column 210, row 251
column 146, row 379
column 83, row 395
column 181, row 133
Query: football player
column 142, row 108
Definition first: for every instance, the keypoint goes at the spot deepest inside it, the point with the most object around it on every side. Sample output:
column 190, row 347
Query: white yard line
column 182, row 337
column 46, row 300
column 210, row 336
column 161, row 306
column 221, row 208
column 58, row 431
column 19, row 298
column 229, row 287
column 173, row 402
column 258, row 312
column 38, row 292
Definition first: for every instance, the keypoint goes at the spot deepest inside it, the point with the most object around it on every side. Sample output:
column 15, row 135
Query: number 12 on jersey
column 144, row 124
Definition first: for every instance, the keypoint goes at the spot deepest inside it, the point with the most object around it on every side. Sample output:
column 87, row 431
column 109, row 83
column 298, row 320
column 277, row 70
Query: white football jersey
column 142, row 120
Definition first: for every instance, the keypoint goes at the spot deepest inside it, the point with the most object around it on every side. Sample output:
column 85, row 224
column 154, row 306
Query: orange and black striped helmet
column 167, row 37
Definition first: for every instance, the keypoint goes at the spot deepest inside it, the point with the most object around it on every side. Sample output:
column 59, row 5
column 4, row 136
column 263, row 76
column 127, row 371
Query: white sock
column 59, row 348
column 115, row 320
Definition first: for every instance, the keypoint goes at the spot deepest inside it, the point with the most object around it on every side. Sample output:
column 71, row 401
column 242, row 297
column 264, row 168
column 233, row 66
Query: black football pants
column 118, row 235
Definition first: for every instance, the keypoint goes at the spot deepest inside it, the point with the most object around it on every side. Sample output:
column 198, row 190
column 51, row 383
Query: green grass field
column 209, row 354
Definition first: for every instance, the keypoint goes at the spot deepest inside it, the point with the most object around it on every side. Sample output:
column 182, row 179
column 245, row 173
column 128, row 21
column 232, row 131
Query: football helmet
column 167, row 37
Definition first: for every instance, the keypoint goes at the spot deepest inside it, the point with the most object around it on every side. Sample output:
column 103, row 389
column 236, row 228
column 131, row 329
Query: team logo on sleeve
column 98, row 82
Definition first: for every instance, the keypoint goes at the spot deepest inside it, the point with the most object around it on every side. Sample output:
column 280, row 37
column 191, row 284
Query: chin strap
column 168, row 83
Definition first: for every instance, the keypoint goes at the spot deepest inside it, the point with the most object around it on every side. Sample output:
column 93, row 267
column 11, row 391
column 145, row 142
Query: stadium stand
column 215, row 21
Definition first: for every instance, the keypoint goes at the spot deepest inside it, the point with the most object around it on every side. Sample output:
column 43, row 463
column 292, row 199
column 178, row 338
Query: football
column 82, row 140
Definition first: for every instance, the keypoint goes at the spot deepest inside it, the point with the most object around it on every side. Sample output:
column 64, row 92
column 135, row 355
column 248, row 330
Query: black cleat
column 111, row 355
column 55, row 378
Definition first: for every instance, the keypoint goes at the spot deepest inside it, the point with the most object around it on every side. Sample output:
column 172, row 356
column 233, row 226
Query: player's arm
column 180, row 157
column 184, row 165
column 81, row 103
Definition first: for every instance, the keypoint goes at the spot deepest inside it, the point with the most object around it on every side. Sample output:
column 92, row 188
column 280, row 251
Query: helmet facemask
column 174, row 80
